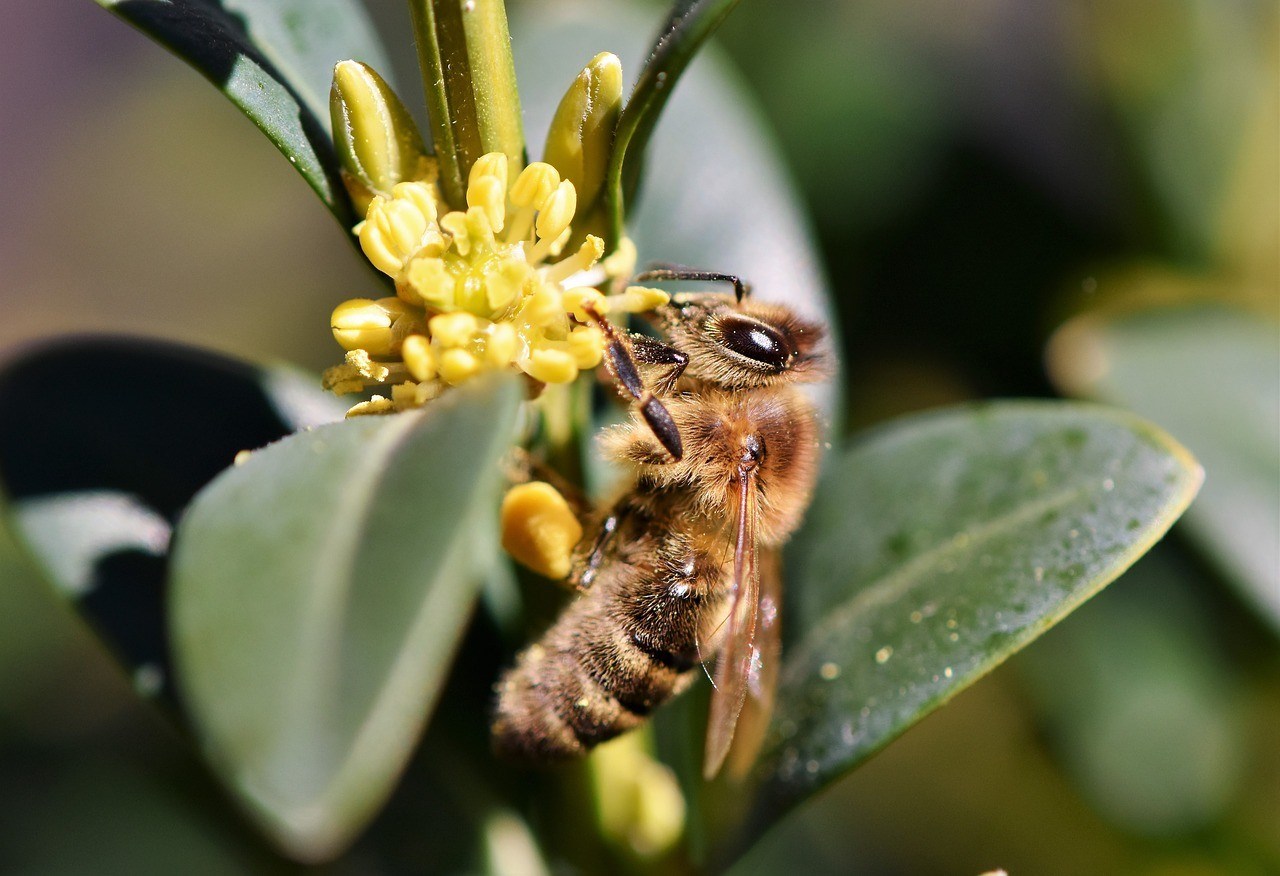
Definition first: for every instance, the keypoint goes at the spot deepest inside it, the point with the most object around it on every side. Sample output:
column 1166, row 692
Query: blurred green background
column 978, row 174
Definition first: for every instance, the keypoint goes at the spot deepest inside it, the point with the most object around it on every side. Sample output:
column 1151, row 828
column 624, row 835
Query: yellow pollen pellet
column 418, row 358
column 539, row 529
column 453, row 329
column 458, row 365
column 551, row 366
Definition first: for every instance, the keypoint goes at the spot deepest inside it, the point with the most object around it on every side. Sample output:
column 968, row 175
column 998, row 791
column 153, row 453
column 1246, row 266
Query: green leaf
column 92, row 483
column 689, row 24
column 318, row 591
column 274, row 60
column 937, row 547
column 719, row 196
column 1211, row 376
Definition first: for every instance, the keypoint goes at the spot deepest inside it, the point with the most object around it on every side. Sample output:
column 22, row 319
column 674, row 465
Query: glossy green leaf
column 689, row 24
column 274, row 60
column 718, row 196
column 318, row 591
column 1211, row 376
column 92, row 483
column 938, row 546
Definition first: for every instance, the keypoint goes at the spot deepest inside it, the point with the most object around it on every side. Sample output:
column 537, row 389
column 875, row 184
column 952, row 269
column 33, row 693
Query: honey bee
column 723, row 451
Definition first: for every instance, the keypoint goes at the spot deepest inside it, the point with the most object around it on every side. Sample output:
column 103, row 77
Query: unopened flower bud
column 581, row 134
column 376, row 138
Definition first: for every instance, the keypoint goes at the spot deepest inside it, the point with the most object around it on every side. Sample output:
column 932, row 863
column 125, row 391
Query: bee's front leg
column 622, row 364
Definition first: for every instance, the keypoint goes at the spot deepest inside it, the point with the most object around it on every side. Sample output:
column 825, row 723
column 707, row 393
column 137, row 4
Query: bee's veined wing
column 762, row 683
column 738, row 655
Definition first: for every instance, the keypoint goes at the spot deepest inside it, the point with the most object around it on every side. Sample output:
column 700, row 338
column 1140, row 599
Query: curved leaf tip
column 938, row 547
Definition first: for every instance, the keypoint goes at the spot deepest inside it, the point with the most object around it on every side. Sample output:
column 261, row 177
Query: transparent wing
column 762, row 683
column 738, row 654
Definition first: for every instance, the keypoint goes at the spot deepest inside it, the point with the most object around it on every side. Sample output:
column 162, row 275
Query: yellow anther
column 362, row 324
column 539, row 529
column 420, row 195
column 458, row 365
column 488, row 193
column 543, row 308
column 418, row 358
column 501, row 344
column 375, row 405
column 638, row 299
column 586, row 345
column 491, row 164
column 575, row 298
column 534, row 185
column 453, row 329
column 557, row 212
column 551, row 366
column 432, row 282
column 404, row 395
column 426, row 392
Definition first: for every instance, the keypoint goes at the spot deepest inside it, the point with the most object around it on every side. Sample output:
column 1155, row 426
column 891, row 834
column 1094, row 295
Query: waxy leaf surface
column 319, row 589
column 936, row 547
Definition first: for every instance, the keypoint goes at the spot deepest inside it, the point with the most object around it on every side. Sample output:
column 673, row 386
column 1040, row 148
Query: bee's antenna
column 680, row 273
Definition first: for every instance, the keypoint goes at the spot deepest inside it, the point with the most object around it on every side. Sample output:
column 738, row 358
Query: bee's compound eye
column 754, row 340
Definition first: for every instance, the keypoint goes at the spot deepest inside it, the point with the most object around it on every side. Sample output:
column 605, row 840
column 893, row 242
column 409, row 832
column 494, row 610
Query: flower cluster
column 476, row 290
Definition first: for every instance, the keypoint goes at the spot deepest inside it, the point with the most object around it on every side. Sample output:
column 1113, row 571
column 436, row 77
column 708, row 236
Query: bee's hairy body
column 657, row 567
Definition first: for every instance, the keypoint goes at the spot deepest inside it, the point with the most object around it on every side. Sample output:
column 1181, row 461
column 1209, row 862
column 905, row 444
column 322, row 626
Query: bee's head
column 745, row 344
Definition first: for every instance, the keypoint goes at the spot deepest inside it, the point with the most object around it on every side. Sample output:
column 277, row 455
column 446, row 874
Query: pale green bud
column 581, row 134
column 377, row 141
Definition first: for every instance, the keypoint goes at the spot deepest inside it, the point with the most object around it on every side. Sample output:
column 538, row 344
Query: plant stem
column 469, row 78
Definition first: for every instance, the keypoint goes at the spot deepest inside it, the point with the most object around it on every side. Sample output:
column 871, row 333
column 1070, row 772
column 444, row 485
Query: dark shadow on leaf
column 147, row 420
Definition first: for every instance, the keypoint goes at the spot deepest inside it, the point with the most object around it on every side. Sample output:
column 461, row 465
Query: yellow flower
column 478, row 289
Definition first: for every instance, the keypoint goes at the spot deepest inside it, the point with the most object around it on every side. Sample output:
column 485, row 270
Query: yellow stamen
column 418, row 357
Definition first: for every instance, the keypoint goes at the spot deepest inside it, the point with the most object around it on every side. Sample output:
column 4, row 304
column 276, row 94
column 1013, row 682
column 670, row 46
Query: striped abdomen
column 620, row 650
